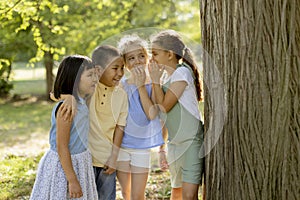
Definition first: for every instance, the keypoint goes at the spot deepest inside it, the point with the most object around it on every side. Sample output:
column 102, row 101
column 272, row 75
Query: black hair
column 170, row 40
column 103, row 55
column 69, row 74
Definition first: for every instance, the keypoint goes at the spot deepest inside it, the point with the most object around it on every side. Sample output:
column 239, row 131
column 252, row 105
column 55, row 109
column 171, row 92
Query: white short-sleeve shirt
column 188, row 98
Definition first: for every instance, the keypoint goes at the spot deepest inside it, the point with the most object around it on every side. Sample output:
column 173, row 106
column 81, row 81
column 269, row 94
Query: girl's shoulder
column 181, row 69
column 182, row 74
column 184, row 67
column 56, row 107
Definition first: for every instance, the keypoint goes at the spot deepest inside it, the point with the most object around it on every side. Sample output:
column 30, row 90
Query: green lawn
column 24, row 126
column 32, row 87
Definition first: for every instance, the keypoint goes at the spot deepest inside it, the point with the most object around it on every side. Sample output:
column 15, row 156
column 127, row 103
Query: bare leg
column 176, row 194
column 124, row 177
column 189, row 191
column 203, row 191
column 139, row 178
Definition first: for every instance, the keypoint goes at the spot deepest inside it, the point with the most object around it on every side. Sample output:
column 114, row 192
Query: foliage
column 64, row 27
column 47, row 30
column 60, row 27
column 5, row 86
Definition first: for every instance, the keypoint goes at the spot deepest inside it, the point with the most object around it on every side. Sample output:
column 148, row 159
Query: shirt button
column 102, row 103
column 105, row 88
column 104, row 95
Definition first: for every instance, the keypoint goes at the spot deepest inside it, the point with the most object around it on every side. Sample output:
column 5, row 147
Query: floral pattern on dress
column 51, row 182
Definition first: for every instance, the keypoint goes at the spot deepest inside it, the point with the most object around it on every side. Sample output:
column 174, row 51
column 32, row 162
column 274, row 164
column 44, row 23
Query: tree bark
column 49, row 62
column 255, row 48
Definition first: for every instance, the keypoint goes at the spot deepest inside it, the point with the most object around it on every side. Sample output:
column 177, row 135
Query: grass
column 29, row 87
column 24, row 127
column 17, row 176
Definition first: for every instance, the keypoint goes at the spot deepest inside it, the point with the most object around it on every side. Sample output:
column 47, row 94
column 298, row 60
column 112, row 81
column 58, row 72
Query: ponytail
column 188, row 58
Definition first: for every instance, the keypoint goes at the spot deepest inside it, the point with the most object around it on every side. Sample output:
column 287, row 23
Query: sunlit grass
column 29, row 80
column 17, row 176
column 20, row 119
column 29, row 87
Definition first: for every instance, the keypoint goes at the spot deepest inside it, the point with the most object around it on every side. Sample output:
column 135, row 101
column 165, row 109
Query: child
column 179, row 99
column 143, row 128
column 65, row 171
column 108, row 112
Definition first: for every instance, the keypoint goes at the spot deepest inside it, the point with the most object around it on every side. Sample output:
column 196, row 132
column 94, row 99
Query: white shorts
column 136, row 157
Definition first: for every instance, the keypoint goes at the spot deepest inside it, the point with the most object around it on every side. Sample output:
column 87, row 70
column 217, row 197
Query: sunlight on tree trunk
column 255, row 45
column 49, row 62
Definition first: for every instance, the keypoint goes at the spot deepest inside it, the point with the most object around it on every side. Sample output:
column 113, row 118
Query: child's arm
column 162, row 151
column 174, row 92
column 62, row 139
column 168, row 100
column 117, row 141
column 149, row 108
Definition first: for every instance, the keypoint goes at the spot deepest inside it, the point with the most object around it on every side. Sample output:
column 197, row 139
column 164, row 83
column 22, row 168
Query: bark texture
column 49, row 62
column 255, row 45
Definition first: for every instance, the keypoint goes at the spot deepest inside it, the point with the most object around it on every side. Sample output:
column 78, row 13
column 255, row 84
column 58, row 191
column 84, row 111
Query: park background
column 251, row 74
column 35, row 35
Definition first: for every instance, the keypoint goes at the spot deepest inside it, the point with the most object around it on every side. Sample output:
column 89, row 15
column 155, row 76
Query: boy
column 108, row 113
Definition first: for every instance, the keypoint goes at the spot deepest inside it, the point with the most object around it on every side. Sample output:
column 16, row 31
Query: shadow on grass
column 24, row 124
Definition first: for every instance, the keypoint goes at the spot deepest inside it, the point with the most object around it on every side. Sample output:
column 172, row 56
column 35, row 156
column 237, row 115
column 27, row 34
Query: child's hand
column 163, row 163
column 139, row 75
column 52, row 97
column 155, row 71
column 75, row 189
column 110, row 166
column 68, row 108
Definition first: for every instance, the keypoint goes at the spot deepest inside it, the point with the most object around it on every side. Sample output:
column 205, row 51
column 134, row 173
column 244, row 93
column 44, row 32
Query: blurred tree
column 37, row 19
column 13, row 46
column 67, row 27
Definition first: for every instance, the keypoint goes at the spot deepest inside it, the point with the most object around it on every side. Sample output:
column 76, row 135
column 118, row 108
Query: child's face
column 136, row 57
column 88, row 81
column 113, row 73
column 159, row 55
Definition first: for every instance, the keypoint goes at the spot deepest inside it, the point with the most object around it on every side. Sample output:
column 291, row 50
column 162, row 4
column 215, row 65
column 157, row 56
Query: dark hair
column 69, row 74
column 103, row 55
column 171, row 40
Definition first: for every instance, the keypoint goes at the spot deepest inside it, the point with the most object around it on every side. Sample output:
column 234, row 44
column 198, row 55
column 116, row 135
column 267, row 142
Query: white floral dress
column 51, row 182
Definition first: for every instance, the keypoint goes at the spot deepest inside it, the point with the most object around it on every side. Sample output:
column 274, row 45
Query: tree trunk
column 255, row 47
column 48, row 62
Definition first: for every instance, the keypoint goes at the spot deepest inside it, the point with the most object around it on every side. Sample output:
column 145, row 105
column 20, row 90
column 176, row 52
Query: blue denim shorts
column 106, row 184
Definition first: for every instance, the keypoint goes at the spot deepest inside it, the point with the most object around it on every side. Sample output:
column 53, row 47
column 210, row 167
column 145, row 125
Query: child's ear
column 170, row 55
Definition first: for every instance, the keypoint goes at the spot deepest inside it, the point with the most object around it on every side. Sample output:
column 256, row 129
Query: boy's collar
column 102, row 86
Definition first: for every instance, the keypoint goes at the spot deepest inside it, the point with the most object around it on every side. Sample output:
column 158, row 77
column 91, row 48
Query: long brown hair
column 171, row 40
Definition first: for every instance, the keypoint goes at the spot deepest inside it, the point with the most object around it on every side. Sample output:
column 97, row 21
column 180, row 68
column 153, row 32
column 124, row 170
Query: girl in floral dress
column 65, row 171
